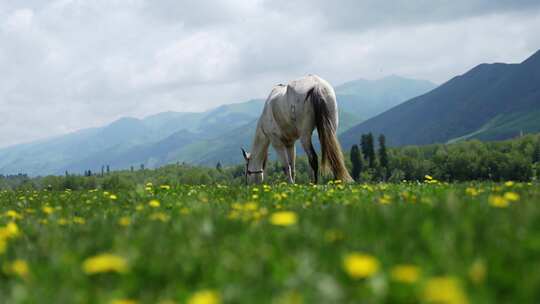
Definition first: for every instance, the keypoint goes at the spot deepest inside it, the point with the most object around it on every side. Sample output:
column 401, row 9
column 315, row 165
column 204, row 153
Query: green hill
column 489, row 102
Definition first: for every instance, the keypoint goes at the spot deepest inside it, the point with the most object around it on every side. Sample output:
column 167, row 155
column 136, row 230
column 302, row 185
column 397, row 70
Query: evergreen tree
column 108, row 169
column 356, row 160
column 536, row 152
column 218, row 166
column 383, row 156
column 364, row 145
column 370, row 150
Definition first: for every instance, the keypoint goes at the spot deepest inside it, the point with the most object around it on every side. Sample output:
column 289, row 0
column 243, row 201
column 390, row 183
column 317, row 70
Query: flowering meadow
column 422, row 242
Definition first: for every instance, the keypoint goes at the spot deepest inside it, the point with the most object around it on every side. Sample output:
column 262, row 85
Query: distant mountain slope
column 199, row 138
column 112, row 144
column 367, row 98
column 491, row 101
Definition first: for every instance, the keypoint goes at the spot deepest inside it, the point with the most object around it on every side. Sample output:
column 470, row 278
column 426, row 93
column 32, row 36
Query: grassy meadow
column 421, row 242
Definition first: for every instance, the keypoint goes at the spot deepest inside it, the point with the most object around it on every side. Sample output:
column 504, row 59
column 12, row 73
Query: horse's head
column 251, row 175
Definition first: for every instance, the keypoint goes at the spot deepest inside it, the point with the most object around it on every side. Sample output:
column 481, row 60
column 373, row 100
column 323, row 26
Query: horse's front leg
column 284, row 159
column 291, row 155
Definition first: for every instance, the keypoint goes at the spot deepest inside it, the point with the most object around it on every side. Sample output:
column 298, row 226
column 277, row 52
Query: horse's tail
column 326, row 122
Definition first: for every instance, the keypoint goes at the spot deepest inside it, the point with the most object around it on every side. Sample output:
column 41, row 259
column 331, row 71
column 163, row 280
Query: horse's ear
column 246, row 155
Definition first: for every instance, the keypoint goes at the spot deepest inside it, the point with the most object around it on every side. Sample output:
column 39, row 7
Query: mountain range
column 202, row 138
column 489, row 102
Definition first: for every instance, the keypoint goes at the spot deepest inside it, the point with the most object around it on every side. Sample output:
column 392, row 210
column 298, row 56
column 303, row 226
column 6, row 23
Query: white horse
column 292, row 112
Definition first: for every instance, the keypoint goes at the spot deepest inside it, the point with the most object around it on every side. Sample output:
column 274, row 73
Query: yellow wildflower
column 62, row 221
column 79, row 220
column 509, row 183
column 360, row 265
column 113, row 197
column 11, row 230
column 477, row 272
column 428, row 177
column 444, row 290
column 47, row 209
column 385, row 199
column 159, row 216
column 511, row 196
column 405, row 273
column 105, row 262
column 124, row 221
column 124, row 301
column 14, row 215
column 165, row 187
column 154, row 203
column 18, row 267
column 498, row 201
column 3, row 245
column 471, row 191
column 204, row 297
column 283, row 218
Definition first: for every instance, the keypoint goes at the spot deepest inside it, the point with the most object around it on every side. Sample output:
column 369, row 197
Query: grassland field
column 422, row 242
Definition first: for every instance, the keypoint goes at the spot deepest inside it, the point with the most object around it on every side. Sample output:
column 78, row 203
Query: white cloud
column 71, row 64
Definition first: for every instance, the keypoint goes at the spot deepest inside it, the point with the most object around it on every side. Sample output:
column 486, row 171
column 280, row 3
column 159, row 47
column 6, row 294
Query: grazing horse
column 292, row 112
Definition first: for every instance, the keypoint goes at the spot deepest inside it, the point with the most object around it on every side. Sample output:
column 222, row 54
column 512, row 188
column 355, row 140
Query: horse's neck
column 259, row 150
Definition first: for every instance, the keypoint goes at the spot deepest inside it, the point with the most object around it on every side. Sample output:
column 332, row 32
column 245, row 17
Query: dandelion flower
column 14, row 215
column 283, row 218
column 160, row 216
column 405, row 273
column 3, row 245
column 19, row 267
column 498, row 201
column 79, row 220
column 154, row 203
column 477, row 272
column 360, row 265
column 511, row 196
column 47, row 209
column 10, row 231
column 124, row 301
column 124, row 221
column 444, row 290
column 471, row 191
column 385, row 199
column 105, row 263
column 205, row 297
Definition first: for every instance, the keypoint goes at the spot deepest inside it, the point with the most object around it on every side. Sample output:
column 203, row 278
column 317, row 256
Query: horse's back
column 286, row 110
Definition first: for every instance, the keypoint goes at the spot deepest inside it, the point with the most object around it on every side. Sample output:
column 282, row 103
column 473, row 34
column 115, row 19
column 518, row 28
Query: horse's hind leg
column 284, row 158
column 312, row 157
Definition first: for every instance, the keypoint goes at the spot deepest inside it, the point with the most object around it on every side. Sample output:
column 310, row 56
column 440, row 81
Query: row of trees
column 517, row 159
column 364, row 158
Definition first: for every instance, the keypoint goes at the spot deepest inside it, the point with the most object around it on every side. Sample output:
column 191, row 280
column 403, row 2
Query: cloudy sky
column 72, row 64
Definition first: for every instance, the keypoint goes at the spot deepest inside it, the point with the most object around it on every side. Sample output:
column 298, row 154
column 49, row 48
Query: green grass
column 221, row 238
